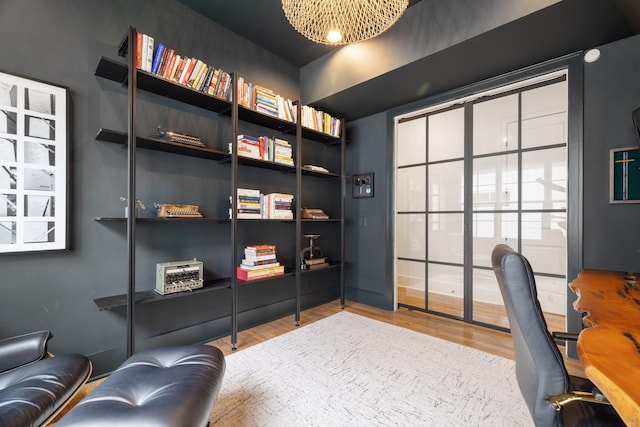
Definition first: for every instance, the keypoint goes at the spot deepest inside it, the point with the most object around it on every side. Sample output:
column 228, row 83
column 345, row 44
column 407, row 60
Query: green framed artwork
column 624, row 178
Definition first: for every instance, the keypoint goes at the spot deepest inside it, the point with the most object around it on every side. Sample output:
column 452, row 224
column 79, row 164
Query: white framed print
column 34, row 138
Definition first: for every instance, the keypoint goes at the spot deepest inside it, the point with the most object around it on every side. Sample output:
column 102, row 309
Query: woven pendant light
column 340, row 22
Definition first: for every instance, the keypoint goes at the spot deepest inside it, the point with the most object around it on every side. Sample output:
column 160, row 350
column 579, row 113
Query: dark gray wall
column 61, row 42
column 612, row 92
column 369, row 275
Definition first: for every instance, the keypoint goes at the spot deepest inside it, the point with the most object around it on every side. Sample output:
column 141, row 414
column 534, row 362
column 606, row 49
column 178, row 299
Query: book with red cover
column 262, row 273
column 139, row 37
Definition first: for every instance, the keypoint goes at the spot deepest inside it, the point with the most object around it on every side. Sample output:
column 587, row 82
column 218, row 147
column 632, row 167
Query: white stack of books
column 277, row 206
column 249, row 204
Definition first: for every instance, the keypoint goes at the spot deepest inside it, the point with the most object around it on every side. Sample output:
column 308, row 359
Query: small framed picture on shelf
column 624, row 175
column 34, row 136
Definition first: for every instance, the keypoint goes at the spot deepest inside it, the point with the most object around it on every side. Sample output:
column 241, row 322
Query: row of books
column 162, row 61
column 265, row 101
column 320, row 121
column 252, row 204
column 270, row 149
column 192, row 72
column 259, row 261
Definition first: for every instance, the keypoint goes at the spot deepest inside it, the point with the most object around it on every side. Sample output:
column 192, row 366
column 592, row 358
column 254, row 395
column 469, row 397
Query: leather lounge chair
column 35, row 385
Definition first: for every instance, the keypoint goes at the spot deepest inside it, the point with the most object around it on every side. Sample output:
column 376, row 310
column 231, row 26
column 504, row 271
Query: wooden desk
column 610, row 348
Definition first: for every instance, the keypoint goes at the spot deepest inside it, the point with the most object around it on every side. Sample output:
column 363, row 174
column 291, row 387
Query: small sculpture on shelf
column 138, row 202
column 312, row 257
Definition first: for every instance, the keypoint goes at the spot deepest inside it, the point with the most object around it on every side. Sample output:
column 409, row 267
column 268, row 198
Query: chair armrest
column 565, row 336
column 23, row 349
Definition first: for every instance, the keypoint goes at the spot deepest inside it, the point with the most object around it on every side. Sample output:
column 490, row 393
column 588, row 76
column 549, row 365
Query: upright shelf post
column 298, row 199
column 343, row 191
column 131, row 193
column 234, row 210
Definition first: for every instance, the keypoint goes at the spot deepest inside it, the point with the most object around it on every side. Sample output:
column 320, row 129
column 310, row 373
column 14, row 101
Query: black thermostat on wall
column 363, row 185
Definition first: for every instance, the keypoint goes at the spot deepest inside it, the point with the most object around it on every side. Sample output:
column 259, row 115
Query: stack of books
column 282, row 152
column 249, row 204
column 192, row 72
column 259, row 262
column 248, row 146
column 265, row 101
column 269, row 149
column 277, row 206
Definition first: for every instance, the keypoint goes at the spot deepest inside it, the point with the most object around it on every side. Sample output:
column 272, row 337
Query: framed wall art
column 624, row 167
column 33, row 165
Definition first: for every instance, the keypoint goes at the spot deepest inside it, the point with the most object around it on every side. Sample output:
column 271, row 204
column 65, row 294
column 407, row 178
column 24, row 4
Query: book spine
column 188, row 70
column 145, row 42
column 174, row 68
column 139, row 46
column 171, row 59
column 157, row 58
column 149, row 57
column 185, row 70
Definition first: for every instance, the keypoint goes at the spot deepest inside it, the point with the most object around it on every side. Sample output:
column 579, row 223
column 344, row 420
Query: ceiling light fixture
column 340, row 22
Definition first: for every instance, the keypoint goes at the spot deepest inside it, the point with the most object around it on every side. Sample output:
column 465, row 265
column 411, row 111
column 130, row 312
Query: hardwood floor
column 490, row 314
column 480, row 338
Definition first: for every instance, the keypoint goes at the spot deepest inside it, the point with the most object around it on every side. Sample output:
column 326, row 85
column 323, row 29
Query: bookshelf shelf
column 332, row 265
column 288, row 273
column 116, row 137
column 165, row 220
column 118, row 72
column 248, row 161
column 262, row 119
column 318, row 174
column 322, row 137
column 144, row 297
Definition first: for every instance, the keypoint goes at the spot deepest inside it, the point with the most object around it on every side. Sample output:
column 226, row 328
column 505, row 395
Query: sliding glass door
column 489, row 170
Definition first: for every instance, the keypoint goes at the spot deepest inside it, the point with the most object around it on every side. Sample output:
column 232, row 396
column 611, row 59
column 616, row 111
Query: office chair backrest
column 540, row 369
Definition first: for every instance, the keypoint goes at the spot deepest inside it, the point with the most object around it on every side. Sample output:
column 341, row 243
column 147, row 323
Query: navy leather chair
column 554, row 398
column 35, row 387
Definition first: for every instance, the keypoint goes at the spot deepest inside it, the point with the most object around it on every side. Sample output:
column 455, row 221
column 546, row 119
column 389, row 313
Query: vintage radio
column 178, row 276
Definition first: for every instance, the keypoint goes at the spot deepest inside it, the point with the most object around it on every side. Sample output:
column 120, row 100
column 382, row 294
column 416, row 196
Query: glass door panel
column 446, row 237
column 495, row 182
column 495, row 125
column 446, row 186
column 544, row 241
column 411, row 284
column 411, row 189
column 488, row 307
column 544, row 179
column 411, row 146
column 446, row 289
column 410, row 232
column 491, row 229
column 544, row 115
column 446, row 135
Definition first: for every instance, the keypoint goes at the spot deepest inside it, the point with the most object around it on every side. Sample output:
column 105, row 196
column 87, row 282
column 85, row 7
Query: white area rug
column 348, row 370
